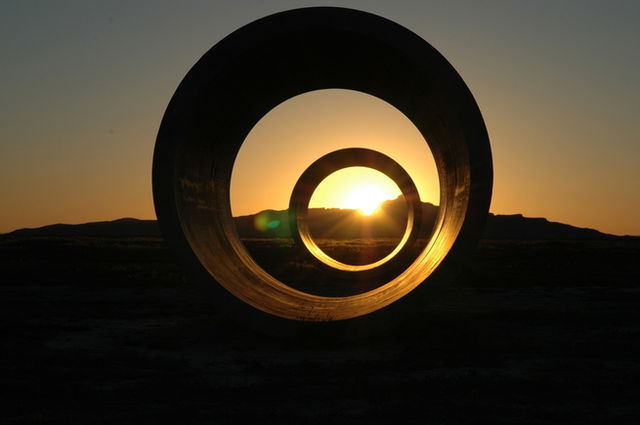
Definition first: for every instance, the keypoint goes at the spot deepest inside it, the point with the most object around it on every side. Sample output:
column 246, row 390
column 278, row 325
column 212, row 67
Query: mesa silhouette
column 335, row 223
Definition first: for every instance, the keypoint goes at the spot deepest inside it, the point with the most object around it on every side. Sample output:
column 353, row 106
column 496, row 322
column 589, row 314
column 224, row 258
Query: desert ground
column 108, row 331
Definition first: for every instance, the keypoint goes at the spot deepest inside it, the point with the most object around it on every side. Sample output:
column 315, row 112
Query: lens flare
column 264, row 221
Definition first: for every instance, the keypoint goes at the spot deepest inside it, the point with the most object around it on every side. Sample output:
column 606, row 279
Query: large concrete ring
column 390, row 265
column 263, row 64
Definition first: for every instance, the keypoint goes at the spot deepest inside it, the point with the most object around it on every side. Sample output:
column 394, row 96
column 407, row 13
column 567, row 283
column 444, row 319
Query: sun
column 357, row 188
column 365, row 198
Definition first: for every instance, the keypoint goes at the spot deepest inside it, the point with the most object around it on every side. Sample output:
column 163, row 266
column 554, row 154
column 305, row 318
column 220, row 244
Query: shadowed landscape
column 100, row 326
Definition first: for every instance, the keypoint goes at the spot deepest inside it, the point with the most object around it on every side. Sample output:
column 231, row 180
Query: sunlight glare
column 358, row 188
column 366, row 199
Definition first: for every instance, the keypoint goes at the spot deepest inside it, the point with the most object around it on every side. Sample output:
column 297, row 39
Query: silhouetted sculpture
column 367, row 274
column 262, row 65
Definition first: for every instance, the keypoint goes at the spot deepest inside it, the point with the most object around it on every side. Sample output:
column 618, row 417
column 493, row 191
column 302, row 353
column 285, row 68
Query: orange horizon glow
column 81, row 109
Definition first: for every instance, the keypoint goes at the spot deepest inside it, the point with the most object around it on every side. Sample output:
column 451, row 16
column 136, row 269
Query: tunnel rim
column 332, row 162
column 472, row 179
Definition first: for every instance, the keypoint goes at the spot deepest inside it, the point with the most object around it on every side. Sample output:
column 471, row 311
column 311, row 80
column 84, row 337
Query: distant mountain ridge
column 120, row 228
column 335, row 223
column 274, row 224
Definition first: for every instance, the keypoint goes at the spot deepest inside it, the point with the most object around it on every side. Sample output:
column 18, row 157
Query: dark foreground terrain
column 107, row 331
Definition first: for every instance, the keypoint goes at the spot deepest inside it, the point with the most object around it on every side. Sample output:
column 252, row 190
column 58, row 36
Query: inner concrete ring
column 337, row 160
column 265, row 63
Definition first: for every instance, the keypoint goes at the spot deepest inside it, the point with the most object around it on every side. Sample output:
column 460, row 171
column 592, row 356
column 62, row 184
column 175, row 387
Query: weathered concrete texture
column 260, row 66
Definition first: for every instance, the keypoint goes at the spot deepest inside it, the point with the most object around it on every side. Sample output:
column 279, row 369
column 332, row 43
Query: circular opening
column 357, row 215
column 283, row 143
column 344, row 158
column 277, row 58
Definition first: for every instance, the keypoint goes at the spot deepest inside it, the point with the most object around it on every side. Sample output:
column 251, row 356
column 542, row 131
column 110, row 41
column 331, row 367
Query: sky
column 84, row 85
column 365, row 191
column 306, row 127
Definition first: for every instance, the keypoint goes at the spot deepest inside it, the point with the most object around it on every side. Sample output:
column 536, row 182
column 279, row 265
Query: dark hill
column 333, row 223
column 121, row 228
column 517, row 226
column 349, row 224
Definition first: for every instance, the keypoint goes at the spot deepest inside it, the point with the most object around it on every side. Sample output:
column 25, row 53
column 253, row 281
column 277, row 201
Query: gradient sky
column 304, row 128
column 84, row 85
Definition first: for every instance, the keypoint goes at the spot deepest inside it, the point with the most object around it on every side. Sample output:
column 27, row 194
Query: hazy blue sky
column 84, row 85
